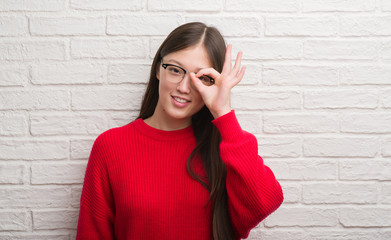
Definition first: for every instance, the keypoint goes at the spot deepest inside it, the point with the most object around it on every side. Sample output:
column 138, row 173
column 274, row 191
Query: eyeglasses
column 176, row 75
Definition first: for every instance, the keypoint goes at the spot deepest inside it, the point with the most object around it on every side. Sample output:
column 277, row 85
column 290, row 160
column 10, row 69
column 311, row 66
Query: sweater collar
column 162, row 134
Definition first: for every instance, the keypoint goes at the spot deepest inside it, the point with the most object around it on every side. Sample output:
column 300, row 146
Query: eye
column 174, row 70
column 206, row 80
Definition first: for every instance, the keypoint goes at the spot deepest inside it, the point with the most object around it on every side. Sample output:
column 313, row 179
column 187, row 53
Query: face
column 178, row 102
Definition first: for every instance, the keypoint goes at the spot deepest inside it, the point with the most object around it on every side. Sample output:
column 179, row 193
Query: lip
column 181, row 98
column 180, row 104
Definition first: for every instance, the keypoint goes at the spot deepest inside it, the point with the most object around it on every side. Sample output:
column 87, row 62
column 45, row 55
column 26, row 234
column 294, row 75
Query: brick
column 55, row 219
column 366, row 123
column 106, row 99
column 301, row 123
column 340, row 50
column 292, row 192
column 34, row 197
column 250, row 122
column 81, row 148
column 68, row 73
column 254, row 100
column 305, row 170
column 254, row 234
column 339, row 99
column 67, row 26
column 34, row 149
column 34, row 100
column 385, row 5
column 14, row 221
column 386, row 50
column 32, row 6
column 154, row 44
column 13, row 75
column 270, row 234
column 141, row 25
column 76, row 196
column 121, row 118
column 338, row 5
column 13, row 26
column 336, row 193
column 285, row 75
column 177, row 5
column 108, row 48
column 365, row 170
column 70, row 124
column 340, row 146
column 386, row 147
column 35, row 236
column 13, row 124
column 386, row 98
column 365, row 26
column 365, row 75
column 73, row 233
column 253, row 74
column 32, row 50
column 280, row 147
column 57, row 173
column 301, row 26
column 263, row 5
column 232, row 26
column 267, row 50
column 365, row 217
column 128, row 73
column 385, row 193
column 304, row 217
column 133, row 5
column 12, row 173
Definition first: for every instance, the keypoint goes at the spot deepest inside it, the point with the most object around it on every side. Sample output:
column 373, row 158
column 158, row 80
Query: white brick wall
column 317, row 94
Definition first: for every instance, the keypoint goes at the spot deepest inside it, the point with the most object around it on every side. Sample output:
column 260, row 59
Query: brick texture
column 316, row 94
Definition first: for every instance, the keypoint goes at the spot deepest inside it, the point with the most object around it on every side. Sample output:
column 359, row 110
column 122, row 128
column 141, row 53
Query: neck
column 163, row 123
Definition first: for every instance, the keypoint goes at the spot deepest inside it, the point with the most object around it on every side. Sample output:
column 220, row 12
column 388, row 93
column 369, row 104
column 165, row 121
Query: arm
column 96, row 217
column 253, row 191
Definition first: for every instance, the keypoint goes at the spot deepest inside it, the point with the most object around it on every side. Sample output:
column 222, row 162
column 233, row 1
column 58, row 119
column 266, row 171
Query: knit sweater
column 137, row 186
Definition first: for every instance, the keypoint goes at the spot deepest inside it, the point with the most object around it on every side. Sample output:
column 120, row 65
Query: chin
column 180, row 116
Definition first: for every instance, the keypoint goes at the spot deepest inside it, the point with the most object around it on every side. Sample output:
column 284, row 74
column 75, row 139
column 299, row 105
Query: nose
column 185, row 85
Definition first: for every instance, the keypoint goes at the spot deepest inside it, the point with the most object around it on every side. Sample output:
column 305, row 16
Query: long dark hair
column 207, row 136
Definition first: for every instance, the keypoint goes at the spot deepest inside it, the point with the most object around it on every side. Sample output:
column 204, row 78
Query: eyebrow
column 181, row 65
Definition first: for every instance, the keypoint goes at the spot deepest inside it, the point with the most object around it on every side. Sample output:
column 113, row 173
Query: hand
column 217, row 97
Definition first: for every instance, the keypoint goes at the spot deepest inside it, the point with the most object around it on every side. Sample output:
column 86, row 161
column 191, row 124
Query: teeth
column 180, row 100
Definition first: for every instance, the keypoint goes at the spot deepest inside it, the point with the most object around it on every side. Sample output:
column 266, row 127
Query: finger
column 227, row 62
column 240, row 75
column 208, row 71
column 237, row 62
column 197, row 83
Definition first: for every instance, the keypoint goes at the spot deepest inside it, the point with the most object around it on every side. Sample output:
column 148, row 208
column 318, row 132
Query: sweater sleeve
column 253, row 191
column 96, row 217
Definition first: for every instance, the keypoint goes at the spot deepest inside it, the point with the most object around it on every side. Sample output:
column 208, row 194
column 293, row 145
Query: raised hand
column 217, row 97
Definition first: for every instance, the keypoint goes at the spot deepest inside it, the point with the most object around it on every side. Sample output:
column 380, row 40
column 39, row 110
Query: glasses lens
column 176, row 74
column 206, row 80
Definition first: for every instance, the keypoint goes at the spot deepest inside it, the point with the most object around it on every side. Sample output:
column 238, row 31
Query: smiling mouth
column 181, row 100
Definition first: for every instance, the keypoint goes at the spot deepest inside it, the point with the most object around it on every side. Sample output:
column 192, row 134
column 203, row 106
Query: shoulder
column 115, row 135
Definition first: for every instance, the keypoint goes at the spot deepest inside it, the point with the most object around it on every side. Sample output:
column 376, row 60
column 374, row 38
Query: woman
column 184, row 169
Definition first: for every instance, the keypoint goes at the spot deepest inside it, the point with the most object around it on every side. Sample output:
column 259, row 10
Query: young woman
column 184, row 169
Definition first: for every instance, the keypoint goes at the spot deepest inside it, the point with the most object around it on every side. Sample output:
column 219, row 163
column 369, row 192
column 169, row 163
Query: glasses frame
column 165, row 65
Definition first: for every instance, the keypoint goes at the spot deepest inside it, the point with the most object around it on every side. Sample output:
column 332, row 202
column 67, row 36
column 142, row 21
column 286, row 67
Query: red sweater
column 137, row 186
